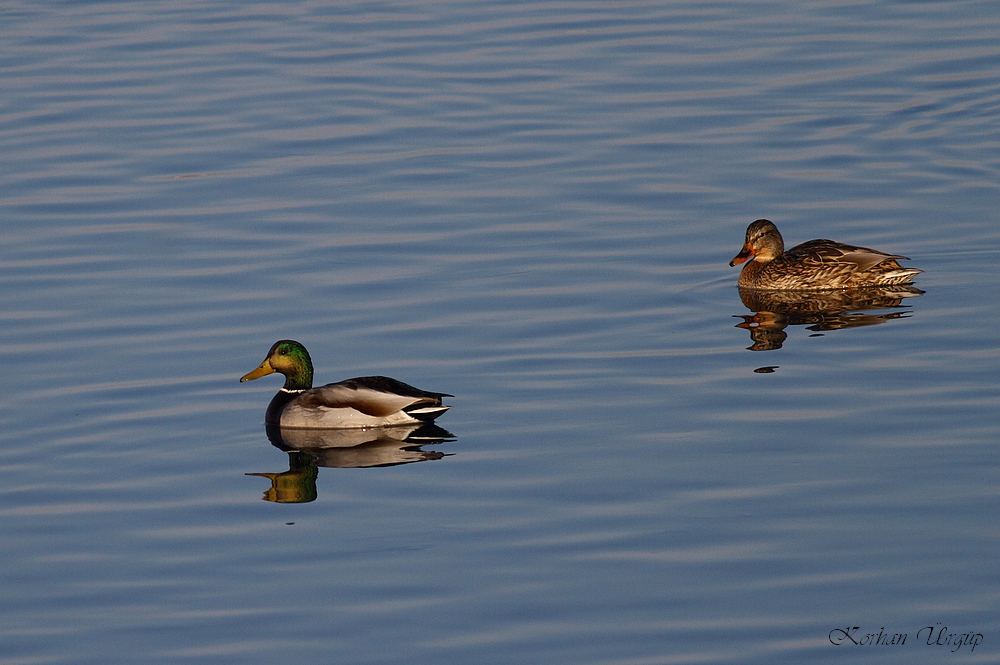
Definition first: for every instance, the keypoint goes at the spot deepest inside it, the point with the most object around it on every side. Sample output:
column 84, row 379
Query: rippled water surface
column 530, row 205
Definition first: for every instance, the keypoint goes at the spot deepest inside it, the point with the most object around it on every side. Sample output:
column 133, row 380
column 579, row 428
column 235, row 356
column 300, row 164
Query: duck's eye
column 283, row 352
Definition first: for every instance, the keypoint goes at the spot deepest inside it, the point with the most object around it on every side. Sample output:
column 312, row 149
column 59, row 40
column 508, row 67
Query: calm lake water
column 530, row 205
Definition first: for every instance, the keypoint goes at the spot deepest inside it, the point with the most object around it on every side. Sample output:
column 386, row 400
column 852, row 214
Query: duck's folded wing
column 828, row 251
column 374, row 396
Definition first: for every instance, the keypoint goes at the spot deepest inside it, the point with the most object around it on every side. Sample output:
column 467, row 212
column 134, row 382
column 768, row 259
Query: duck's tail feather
column 426, row 412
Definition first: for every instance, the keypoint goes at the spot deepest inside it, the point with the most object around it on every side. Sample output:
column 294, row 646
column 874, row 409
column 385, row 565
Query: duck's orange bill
column 747, row 253
column 264, row 369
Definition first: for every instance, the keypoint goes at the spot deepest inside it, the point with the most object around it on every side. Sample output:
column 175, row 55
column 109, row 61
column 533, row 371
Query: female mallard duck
column 813, row 265
column 367, row 401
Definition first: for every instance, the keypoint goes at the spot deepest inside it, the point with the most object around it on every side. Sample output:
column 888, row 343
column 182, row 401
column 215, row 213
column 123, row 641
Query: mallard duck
column 366, row 401
column 813, row 265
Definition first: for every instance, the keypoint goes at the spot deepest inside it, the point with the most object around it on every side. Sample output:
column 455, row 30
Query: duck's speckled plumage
column 365, row 401
column 814, row 265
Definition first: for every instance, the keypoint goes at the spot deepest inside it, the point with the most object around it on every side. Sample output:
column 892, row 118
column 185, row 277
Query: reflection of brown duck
column 819, row 310
column 816, row 264
column 347, row 449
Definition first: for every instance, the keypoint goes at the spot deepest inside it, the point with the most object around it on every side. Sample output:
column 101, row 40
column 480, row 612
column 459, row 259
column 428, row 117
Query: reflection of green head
column 297, row 485
column 286, row 357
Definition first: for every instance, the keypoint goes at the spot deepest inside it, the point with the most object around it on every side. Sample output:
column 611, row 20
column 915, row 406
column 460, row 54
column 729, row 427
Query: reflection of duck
column 347, row 449
column 367, row 401
column 359, row 448
column 816, row 264
column 820, row 310
column 297, row 485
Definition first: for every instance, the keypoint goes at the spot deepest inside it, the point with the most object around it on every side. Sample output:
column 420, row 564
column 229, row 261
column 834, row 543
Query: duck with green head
column 366, row 401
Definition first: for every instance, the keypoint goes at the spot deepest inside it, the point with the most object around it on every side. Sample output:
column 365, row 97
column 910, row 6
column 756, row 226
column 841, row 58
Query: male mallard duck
column 813, row 265
column 366, row 401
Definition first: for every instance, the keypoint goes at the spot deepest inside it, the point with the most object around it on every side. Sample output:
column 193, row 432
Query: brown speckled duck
column 813, row 265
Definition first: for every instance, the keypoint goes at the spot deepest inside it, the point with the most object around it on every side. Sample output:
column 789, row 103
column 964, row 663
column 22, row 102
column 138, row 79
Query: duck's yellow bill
column 264, row 369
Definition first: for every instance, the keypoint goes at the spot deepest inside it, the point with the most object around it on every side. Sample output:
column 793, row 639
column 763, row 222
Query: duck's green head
column 286, row 357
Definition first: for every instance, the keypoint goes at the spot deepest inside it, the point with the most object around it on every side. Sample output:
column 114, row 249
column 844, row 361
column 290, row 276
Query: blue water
column 530, row 205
